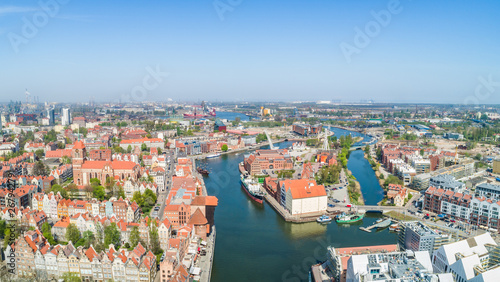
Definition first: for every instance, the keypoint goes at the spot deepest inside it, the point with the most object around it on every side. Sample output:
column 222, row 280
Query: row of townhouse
column 57, row 207
column 42, row 182
column 20, row 197
column 478, row 211
column 35, row 257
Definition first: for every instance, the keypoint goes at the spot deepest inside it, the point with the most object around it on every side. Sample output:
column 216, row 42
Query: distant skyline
column 241, row 50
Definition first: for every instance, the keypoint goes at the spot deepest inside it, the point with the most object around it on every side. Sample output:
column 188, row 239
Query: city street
column 169, row 172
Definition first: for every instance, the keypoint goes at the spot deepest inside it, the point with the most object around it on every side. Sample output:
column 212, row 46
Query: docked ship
column 349, row 218
column 202, row 171
column 213, row 156
column 252, row 188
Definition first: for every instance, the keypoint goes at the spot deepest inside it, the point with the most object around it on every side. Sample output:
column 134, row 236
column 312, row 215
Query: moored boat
column 202, row 171
column 213, row 156
column 252, row 188
column 349, row 218
column 324, row 219
column 394, row 227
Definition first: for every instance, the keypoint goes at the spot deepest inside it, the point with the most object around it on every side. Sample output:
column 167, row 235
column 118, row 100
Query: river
column 255, row 244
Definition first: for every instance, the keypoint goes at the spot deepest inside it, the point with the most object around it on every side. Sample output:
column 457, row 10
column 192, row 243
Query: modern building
column 337, row 258
column 468, row 260
column 447, row 182
column 421, row 181
column 51, row 116
column 66, row 116
column 416, row 236
column 488, row 190
column 219, row 126
column 394, row 266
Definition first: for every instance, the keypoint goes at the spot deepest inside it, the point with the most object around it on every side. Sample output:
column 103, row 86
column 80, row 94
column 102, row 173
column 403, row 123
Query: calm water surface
column 255, row 244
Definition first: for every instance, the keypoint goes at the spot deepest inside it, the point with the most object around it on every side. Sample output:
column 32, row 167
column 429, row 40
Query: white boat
column 213, row 156
column 323, row 219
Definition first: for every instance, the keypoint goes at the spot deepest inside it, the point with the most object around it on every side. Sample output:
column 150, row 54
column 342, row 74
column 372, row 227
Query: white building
column 391, row 267
column 302, row 196
column 463, row 257
column 66, row 116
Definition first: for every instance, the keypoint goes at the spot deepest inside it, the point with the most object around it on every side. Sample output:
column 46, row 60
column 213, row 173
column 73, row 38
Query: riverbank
column 355, row 194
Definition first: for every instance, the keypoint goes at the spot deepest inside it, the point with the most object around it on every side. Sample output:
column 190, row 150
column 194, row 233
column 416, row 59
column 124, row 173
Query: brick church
column 84, row 170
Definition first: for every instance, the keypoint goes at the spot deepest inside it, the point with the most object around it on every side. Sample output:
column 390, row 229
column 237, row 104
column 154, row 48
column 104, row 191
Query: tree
column 224, row 148
column 72, row 233
column 88, row 237
column 71, row 277
column 111, row 235
column 154, row 240
column 367, row 150
column 39, row 153
column 99, row 193
column 159, row 151
column 57, row 188
column 129, row 149
column 40, row 169
column 47, row 233
column 134, row 237
column 144, row 147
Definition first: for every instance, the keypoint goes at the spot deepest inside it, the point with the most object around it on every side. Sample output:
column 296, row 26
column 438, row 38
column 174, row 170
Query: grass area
column 400, row 216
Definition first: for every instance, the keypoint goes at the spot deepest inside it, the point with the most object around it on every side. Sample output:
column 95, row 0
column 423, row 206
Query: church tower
column 78, row 153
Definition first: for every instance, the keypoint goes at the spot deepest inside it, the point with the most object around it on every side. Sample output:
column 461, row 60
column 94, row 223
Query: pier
column 382, row 224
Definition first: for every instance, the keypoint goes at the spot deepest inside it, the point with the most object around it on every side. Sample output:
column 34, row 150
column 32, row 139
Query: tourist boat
column 324, row 219
column 213, row 156
column 202, row 171
column 394, row 227
column 252, row 188
column 349, row 218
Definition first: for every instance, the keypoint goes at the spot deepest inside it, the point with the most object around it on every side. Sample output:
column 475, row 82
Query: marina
column 378, row 225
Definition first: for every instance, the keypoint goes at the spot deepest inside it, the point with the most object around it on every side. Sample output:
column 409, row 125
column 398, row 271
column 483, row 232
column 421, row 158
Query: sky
column 250, row 50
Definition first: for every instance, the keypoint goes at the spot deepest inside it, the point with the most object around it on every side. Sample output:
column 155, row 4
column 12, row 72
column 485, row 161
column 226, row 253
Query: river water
column 255, row 244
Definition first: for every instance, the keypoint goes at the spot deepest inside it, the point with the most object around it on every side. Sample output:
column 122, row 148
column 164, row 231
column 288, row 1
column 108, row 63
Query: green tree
column 99, row 193
column 154, row 240
column 72, row 233
column 224, row 148
column 134, row 237
column 40, row 169
column 47, row 233
column 57, row 188
column 367, row 150
column 111, row 235
column 88, row 237
column 71, row 277
column 39, row 153
column 129, row 149
column 144, row 147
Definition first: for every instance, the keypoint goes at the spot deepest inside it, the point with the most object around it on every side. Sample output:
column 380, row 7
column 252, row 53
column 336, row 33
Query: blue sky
column 429, row 51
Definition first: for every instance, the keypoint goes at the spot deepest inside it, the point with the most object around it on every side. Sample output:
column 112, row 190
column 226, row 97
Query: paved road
column 169, row 172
